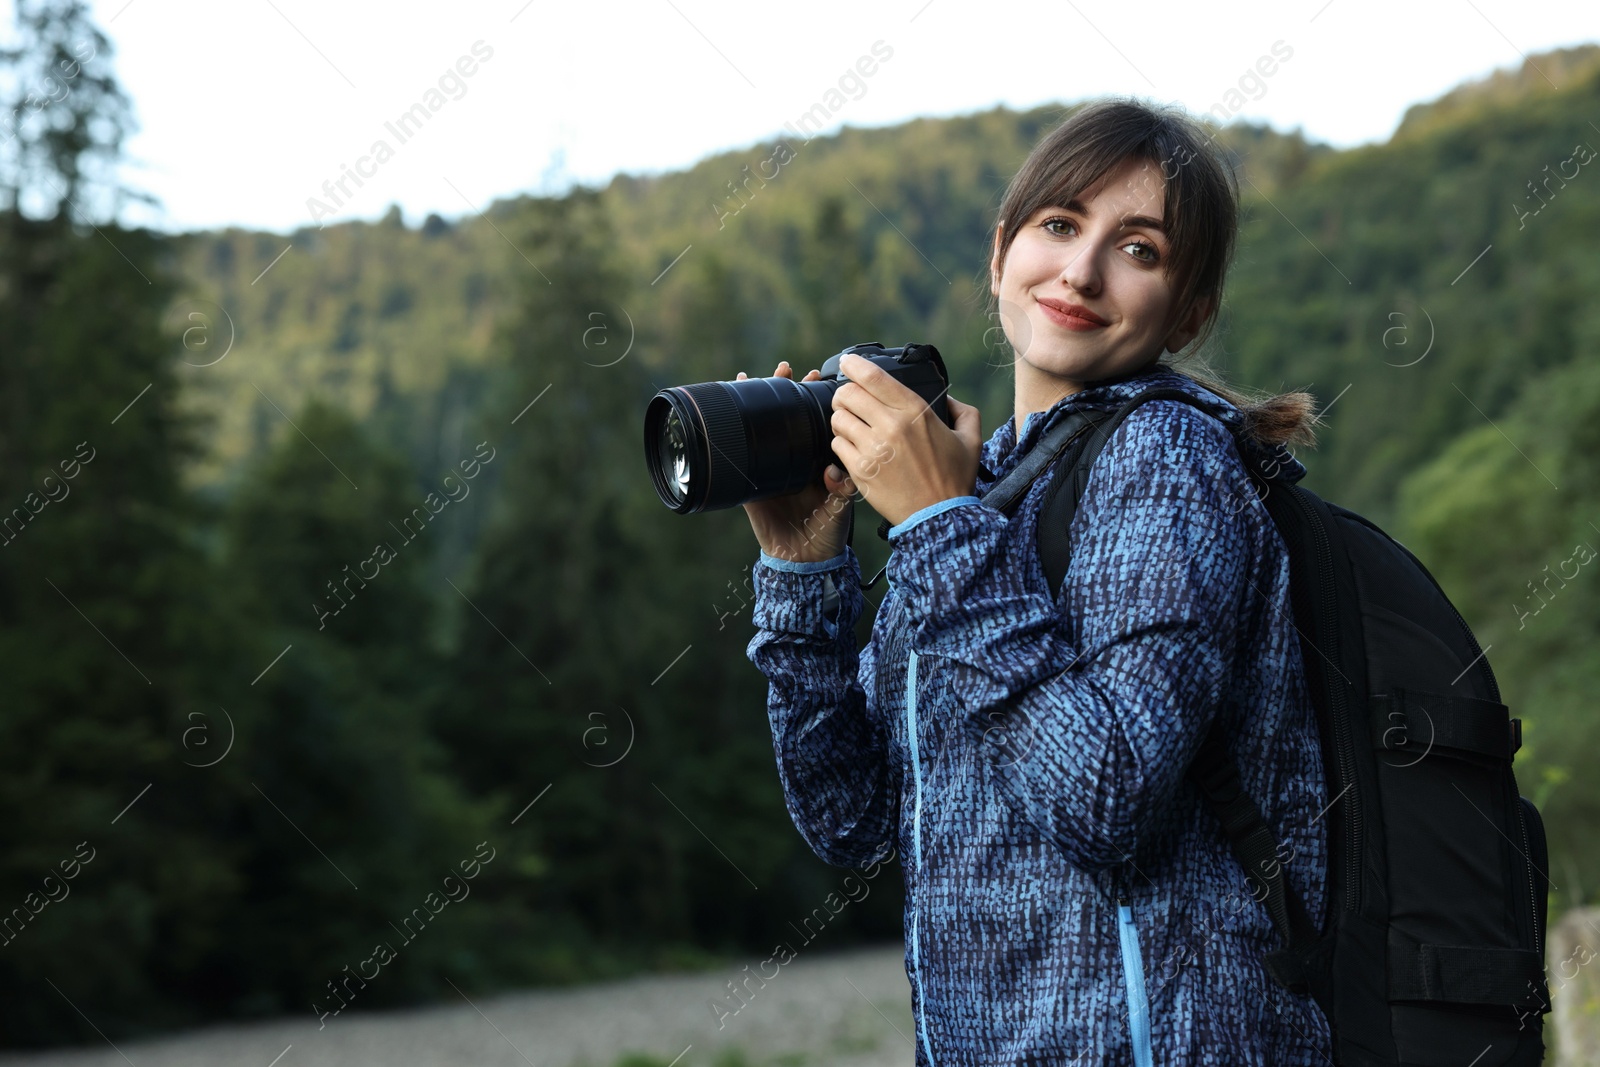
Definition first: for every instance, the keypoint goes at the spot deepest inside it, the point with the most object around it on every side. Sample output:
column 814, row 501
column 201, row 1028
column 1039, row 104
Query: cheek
column 1146, row 302
column 1026, row 264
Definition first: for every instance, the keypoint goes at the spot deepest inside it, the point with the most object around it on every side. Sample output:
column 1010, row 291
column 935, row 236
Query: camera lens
column 721, row 444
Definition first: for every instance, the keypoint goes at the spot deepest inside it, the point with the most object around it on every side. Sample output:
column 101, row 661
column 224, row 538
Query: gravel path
column 807, row 1015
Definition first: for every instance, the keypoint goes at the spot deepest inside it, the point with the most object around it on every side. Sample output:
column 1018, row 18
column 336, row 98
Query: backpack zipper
column 1533, row 893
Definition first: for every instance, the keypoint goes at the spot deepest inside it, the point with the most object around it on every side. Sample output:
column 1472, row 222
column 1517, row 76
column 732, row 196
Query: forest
column 257, row 766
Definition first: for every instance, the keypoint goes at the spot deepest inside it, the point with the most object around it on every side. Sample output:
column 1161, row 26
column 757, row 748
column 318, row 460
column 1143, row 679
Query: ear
column 994, row 261
column 1186, row 330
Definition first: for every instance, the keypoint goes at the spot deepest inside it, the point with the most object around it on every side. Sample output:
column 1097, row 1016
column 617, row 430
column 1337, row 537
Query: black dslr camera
column 720, row 444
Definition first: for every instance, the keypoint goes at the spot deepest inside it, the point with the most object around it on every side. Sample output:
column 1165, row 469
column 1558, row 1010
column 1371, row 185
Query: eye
column 1155, row 253
column 1151, row 253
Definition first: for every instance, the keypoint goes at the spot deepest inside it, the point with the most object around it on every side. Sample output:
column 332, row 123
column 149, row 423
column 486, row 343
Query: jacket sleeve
column 831, row 744
column 1090, row 712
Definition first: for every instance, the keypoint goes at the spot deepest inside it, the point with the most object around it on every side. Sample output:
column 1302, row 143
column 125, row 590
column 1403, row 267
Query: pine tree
column 591, row 628
column 65, row 116
column 328, row 543
column 109, row 643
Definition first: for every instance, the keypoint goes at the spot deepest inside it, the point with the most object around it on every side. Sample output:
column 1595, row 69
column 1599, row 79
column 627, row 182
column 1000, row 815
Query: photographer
column 1025, row 750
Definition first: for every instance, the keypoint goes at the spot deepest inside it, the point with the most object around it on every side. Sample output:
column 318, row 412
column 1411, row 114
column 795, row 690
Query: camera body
column 918, row 367
column 721, row 444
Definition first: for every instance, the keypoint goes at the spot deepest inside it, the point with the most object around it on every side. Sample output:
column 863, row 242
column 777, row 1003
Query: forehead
column 1139, row 180
column 1133, row 187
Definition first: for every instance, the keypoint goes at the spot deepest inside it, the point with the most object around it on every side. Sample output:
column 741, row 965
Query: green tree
column 327, row 545
column 592, row 627
column 64, row 113
column 109, row 640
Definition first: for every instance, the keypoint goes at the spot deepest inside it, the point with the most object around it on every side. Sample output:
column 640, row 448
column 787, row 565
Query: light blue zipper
column 1133, row 975
column 916, row 841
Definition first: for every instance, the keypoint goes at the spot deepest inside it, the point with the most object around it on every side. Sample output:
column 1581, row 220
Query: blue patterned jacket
column 1069, row 897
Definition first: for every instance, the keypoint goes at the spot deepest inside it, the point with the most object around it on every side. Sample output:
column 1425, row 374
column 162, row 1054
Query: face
column 1103, row 253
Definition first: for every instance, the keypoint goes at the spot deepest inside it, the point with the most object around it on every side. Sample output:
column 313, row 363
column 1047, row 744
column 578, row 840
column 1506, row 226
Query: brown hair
column 1201, row 202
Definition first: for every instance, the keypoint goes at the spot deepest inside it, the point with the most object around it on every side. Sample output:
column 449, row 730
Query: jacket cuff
column 820, row 599
column 812, row 567
column 929, row 512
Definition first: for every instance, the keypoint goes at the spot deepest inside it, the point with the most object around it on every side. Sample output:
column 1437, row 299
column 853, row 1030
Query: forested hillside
column 544, row 676
column 1425, row 289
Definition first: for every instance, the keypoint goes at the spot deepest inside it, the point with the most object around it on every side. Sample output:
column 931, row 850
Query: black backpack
column 1431, row 950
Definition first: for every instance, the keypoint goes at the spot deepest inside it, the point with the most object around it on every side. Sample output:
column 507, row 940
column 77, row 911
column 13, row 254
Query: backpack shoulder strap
column 1214, row 770
column 1070, row 479
column 1065, row 436
column 1255, row 846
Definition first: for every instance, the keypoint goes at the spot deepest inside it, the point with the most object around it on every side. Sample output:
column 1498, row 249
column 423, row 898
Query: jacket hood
column 1005, row 449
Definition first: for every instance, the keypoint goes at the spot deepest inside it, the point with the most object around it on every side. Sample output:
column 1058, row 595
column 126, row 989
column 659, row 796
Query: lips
column 1076, row 311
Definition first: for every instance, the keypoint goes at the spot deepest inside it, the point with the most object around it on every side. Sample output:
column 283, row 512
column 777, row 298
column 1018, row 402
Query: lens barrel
column 721, row 444
column 717, row 445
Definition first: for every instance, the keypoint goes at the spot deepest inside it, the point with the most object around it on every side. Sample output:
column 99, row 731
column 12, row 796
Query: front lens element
column 673, row 455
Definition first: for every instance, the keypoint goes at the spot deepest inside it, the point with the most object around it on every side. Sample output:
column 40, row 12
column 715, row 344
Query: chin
column 1068, row 366
column 1077, row 367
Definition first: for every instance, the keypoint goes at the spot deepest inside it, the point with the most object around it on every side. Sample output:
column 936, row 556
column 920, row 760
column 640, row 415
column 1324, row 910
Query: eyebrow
column 1127, row 220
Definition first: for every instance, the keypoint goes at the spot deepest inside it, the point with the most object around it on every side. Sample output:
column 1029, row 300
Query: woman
column 1069, row 897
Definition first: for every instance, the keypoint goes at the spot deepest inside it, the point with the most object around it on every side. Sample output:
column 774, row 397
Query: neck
column 1037, row 390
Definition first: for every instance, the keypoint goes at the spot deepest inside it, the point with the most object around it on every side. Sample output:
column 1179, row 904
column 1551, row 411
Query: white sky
column 247, row 106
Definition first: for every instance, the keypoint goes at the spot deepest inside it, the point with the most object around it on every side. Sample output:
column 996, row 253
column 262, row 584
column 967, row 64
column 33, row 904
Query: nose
column 1081, row 271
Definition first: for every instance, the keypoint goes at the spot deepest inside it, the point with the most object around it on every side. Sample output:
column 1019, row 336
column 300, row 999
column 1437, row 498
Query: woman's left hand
column 901, row 456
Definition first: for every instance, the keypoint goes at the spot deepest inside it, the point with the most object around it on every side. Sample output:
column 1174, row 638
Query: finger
column 740, row 377
column 850, row 426
column 877, row 382
column 866, row 407
column 850, row 456
column 839, row 481
column 812, row 376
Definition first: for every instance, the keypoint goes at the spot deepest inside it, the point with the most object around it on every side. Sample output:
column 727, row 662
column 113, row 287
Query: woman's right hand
column 808, row 525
